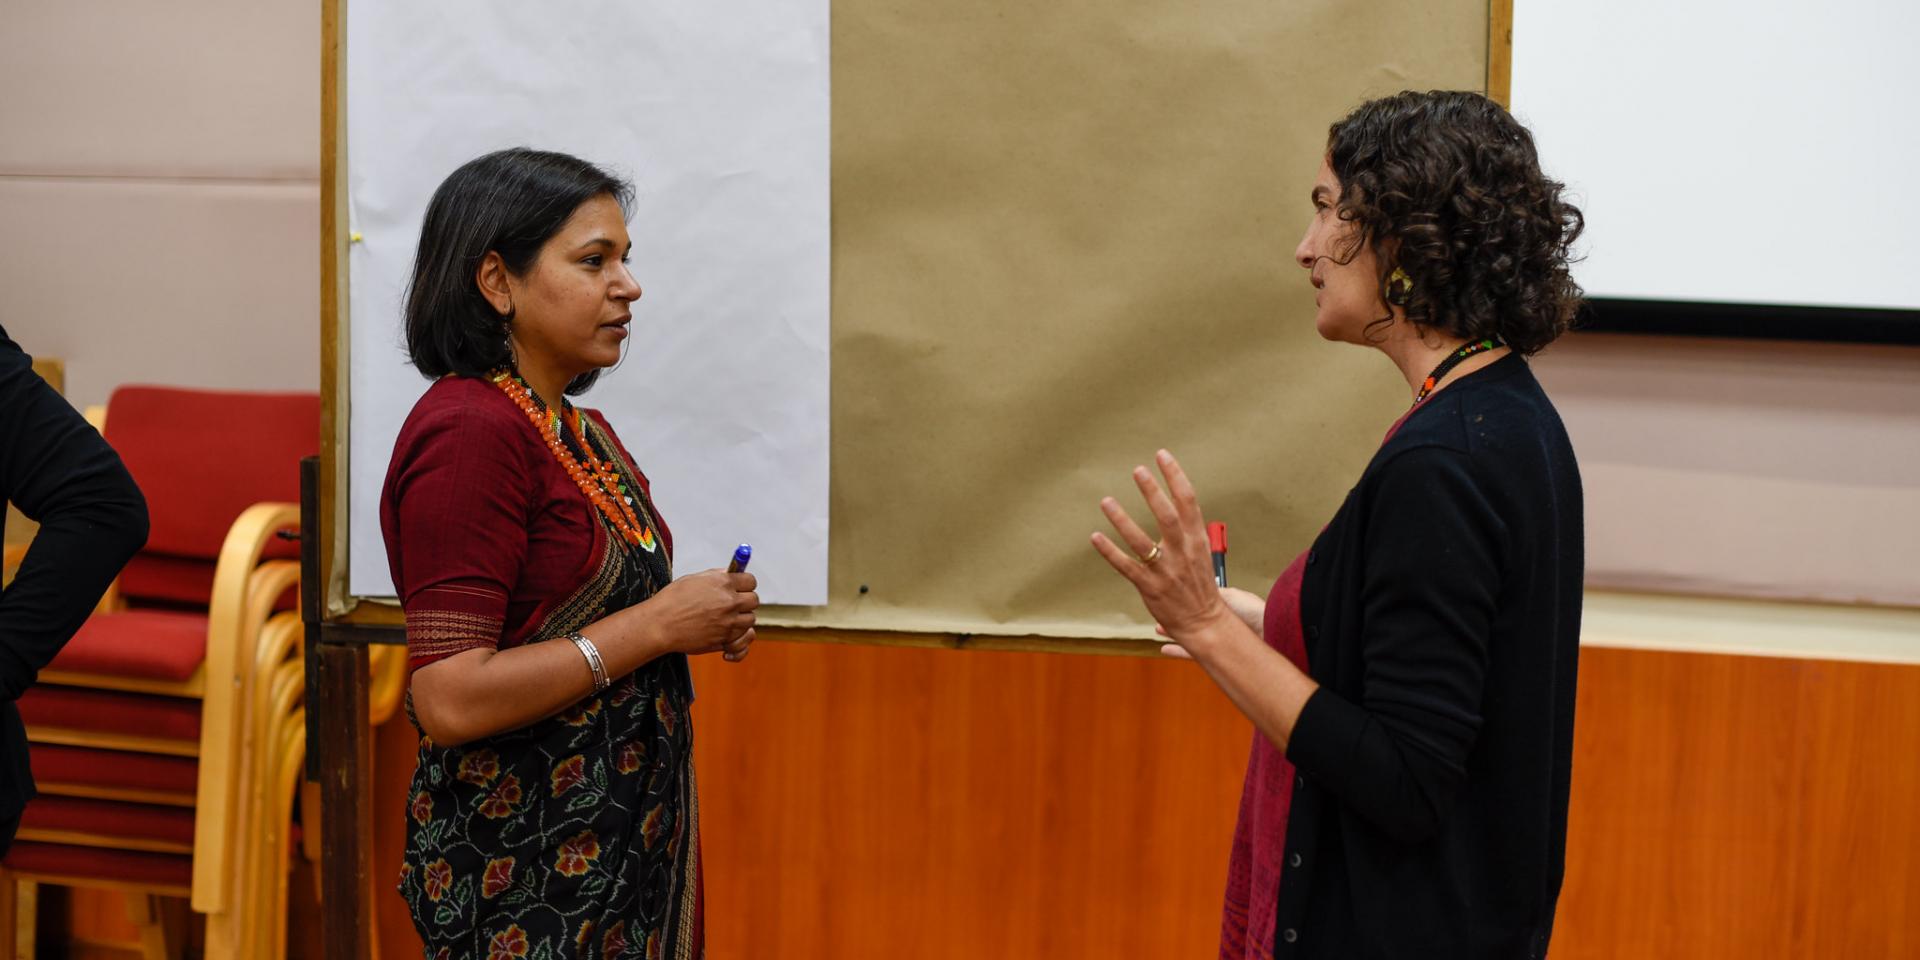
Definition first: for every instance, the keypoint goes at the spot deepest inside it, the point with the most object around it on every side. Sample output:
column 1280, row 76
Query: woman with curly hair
column 1410, row 677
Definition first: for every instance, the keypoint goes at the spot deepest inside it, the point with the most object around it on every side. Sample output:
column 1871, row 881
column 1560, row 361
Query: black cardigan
column 1441, row 608
column 57, row 470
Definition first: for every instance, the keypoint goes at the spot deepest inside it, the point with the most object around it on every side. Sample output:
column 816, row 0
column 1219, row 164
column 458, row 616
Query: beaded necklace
column 598, row 479
column 1453, row 360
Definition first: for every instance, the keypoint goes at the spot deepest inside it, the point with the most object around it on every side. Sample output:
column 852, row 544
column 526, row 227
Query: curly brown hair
column 1446, row 185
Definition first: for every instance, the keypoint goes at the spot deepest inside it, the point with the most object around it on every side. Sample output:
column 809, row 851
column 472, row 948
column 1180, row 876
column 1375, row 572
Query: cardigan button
column 1294, row 860
column 1289, row 935
column 1312, row 556
column 1299, row 782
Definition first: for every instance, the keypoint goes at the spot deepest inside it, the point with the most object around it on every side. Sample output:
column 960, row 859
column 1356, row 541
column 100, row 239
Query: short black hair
column 509, row 202
column 1452, row 181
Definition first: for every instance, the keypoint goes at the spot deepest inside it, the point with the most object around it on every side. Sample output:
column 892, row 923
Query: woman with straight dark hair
column 1410, row 677
column 553, row 810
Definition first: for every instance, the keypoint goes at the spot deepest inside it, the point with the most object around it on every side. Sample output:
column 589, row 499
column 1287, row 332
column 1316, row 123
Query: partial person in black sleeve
column 1411, row 675
column 59, row 471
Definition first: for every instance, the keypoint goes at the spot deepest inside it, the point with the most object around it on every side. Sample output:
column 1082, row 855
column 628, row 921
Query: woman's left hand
column 1175, row 576
column 736, row 649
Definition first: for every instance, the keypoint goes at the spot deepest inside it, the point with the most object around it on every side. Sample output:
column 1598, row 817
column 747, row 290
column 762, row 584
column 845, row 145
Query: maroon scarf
column 1253, row 874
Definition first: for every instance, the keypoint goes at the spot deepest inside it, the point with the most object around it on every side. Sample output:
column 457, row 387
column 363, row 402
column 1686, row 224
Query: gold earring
column 1399, row 288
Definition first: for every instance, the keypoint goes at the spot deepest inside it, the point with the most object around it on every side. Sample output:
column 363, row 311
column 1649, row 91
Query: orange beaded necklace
column 598, row 479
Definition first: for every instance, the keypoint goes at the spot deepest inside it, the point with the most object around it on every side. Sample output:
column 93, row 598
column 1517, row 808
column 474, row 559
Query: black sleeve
column 1431, row 573
column 58, row 470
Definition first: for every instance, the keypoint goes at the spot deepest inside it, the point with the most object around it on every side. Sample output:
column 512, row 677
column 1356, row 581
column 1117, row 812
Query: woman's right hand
column 704, row 612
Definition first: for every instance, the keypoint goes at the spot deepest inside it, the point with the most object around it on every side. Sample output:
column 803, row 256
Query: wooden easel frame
column 340, row 626
column 339, row 605
column 1500, row 52
column 338, row 629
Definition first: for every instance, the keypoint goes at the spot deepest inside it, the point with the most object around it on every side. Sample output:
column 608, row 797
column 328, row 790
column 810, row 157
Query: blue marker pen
column 741, row 554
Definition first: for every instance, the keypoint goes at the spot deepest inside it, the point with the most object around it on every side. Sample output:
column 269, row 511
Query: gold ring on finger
column 1152, row 555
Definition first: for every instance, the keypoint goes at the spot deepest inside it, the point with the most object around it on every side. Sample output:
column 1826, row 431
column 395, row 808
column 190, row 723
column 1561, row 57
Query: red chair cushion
column 147, row 644
column 175, row 581
column 54, row 763
column 109, row 711
column 158, row 577
column 128, row 866
column 109, row 818
column 202, row 456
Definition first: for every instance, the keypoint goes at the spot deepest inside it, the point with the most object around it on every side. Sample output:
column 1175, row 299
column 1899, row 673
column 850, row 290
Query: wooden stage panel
column 864, row 801
column 1742, row 807
column 885, row 802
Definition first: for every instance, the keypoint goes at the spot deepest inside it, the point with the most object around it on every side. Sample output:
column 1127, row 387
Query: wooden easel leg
column 346, row 803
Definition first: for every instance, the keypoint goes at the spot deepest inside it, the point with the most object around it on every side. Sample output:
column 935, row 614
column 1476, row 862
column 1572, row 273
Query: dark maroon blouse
column 1254, row 867
column 485, row 532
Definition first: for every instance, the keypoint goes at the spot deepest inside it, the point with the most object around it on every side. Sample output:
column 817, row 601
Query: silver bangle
column 594, row 663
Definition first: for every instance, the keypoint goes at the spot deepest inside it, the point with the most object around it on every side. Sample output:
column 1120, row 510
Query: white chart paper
column 718, row 112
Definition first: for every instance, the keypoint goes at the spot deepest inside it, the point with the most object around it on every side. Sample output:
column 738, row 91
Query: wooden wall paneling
column 1742, row 806
column 883, row 802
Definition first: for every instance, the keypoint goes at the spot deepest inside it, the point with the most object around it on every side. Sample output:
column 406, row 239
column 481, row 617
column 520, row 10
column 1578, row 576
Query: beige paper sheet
column 1063, row 238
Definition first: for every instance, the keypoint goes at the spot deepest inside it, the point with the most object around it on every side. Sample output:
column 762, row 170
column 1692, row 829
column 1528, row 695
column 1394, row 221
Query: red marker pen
column 1217, row 542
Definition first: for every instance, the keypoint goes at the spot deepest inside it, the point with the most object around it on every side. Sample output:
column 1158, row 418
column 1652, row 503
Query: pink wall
column 159, row 191
column 1753, row 468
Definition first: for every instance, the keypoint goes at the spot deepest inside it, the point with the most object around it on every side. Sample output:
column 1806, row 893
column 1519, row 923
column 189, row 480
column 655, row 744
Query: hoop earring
column 1399, row 288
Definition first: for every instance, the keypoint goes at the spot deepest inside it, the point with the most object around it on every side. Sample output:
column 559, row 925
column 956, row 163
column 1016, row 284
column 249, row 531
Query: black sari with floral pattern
column 577, row 836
